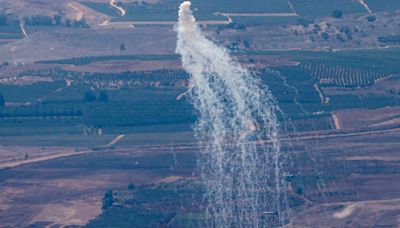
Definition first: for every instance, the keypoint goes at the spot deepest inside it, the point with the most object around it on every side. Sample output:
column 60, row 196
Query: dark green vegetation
column 10, row 31
column 175, row 204
column 56, row 20
column 10, row 26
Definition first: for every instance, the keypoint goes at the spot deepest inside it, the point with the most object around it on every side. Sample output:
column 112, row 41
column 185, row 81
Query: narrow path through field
column 115, row 140
column 320, row 93
column 44, row 158
column 68, row 83
column 21, row 25
column 336, row 122
column 121, row 10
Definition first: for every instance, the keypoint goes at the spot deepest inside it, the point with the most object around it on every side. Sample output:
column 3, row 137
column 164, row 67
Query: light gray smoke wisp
column 240, row 164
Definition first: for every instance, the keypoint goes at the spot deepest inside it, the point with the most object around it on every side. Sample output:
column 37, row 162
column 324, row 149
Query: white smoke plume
column 243, row 179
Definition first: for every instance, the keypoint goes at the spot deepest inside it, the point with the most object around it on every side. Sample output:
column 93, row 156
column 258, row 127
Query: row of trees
column 56, row 20
column 44, row 20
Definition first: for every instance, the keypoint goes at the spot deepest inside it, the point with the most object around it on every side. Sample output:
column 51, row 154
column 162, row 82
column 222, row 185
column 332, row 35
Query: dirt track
column 152, row 148
column 14, row 164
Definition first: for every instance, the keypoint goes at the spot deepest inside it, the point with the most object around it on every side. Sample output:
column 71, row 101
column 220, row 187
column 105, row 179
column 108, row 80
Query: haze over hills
column 93, row 99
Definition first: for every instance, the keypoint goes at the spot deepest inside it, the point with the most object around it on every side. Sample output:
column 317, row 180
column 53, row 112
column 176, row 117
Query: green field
column 383, row 5
column 324, row 8
column 13, row 93
column 90, row 59
column 12, row 31
column 268, row 21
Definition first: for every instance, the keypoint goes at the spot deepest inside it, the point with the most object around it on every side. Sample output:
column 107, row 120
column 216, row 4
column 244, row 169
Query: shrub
column 131, row 186
column 371, row 18
column 89, row 96
column 304, row 22
column 108, row 199
column 337, row 14
column 325, row 36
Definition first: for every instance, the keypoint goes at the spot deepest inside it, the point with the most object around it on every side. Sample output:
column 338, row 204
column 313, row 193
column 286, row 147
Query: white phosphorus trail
column 243, row 180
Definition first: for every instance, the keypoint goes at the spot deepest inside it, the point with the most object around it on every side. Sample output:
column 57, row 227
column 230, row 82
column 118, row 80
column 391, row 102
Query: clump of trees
column 131, row 186
column 3, row 20
column 56, row 20
column 91, row 96
column 304, row 22
column 392, row 39
column 6, row 20
column 337, row 14
column 371, row 18
column 108, row 200
column 122, row 47
column 325, row 36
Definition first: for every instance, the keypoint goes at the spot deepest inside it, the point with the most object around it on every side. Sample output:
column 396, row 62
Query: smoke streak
column 243, row 180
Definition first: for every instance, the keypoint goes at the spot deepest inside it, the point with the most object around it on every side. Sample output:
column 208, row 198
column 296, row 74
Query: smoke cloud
column 234, row 111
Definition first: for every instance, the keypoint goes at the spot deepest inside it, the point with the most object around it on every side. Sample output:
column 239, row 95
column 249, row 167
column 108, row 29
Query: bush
column 337, row 14
column 122, row 47
column 304, row 22
column 299, row 191
column 108, row 199
column 89, row 96
column 371, row 18
column 325, row 36
column 131, row 186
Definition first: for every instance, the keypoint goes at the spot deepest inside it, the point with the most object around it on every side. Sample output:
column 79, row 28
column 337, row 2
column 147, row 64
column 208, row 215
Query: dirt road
column 190, row 145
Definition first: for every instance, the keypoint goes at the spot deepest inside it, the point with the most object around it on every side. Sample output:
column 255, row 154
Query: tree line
column 44, row 20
